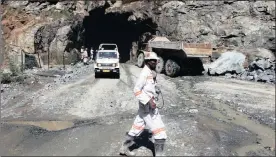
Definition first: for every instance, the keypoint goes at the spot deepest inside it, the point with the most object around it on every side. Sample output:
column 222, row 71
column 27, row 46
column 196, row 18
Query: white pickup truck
column 107, row 60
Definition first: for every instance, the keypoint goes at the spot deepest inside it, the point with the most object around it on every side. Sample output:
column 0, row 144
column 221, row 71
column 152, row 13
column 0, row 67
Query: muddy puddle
column 51, row 125
column 46, row 125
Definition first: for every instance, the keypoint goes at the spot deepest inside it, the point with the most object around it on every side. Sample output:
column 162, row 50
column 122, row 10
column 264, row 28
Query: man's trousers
column 151, row 118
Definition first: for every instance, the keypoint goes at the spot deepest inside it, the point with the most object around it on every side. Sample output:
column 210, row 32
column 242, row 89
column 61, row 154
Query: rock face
column 246, row 24
column 45, row 29
column 239, row 23
column 61, row 39
column 26, row 40
column 57, row 38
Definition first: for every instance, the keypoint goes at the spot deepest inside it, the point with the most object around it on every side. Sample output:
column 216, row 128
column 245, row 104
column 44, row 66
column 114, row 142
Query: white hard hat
column 151, row 55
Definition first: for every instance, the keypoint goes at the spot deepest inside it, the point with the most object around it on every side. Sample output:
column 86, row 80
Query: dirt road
column 88, row 116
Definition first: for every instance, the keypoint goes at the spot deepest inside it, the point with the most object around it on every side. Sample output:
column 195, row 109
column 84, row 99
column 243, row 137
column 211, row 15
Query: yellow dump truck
column 175, row 56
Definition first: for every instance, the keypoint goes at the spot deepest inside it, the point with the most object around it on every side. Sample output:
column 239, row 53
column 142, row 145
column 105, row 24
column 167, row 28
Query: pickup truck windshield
column 109, row 47
column 108, row 55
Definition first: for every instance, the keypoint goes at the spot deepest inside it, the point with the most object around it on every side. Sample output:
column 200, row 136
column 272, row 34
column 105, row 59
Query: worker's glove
column 157, row 90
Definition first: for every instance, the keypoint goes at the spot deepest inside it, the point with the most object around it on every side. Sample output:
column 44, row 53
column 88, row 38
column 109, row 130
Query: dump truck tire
column 172, row 68
column 160, row 66
column 140, row 60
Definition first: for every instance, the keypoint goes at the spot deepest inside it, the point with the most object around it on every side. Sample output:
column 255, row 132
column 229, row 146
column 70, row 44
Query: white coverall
column 84, row 56
column 91, row 54
column 144, row 90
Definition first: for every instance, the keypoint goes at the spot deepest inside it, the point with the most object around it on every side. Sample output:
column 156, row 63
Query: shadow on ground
column 107, row 76
column 143, row 141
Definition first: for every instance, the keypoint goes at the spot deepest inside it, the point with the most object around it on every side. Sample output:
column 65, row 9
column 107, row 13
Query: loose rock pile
column 74, row 72
column 261, row 70
column 231, row 65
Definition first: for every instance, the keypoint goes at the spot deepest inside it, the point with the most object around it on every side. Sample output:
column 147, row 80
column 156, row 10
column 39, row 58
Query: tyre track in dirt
column 107, row 97
column 217, row 110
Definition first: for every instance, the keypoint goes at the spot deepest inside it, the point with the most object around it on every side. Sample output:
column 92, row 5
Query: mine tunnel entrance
column 114, row 28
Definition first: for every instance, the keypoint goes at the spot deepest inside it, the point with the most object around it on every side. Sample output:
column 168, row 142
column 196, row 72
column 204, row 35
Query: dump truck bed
column 190, row 49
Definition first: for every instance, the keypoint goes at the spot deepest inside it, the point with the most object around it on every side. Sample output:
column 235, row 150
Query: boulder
column 262, row 64
column 264, row 77
column 228, row 62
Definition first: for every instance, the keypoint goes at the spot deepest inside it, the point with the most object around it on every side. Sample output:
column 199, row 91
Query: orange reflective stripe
column 138, row 93
column 157, row 131
column 138, row 127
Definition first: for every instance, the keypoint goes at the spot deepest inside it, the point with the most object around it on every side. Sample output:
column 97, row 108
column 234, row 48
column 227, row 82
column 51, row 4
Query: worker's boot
column 159, row 147
column 125, row 147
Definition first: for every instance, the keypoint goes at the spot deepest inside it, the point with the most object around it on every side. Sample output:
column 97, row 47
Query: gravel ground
column 254, row 99
column 200, row 114
column 39, row 81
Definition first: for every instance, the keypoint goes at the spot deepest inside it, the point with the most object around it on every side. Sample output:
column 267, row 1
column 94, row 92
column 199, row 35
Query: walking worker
column 82, row 49
column 84, row 56
column 91, row 53
column 148, row 114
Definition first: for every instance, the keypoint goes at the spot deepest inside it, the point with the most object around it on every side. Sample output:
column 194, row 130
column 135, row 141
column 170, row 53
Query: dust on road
column 97, row 113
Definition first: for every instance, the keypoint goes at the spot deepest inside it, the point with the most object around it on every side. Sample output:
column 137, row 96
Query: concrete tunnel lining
column 114, row 28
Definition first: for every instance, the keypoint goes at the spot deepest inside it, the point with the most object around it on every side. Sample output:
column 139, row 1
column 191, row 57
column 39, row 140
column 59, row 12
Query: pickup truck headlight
column 98, row 64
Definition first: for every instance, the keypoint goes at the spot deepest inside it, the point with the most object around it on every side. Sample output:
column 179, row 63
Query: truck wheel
column 172, row 68
column 140, row 60
column 160, row 65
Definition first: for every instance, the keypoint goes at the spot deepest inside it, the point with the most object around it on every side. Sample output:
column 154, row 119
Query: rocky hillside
column 37, row 27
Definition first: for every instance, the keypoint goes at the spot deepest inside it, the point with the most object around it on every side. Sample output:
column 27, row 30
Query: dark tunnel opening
column 114, row 28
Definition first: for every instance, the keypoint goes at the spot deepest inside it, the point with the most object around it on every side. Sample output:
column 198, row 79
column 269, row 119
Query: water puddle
column 53, row 125
column 47, row 125
column 245, row 150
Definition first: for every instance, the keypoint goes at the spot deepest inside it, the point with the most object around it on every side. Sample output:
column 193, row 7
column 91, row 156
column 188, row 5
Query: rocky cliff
column 56, row 27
